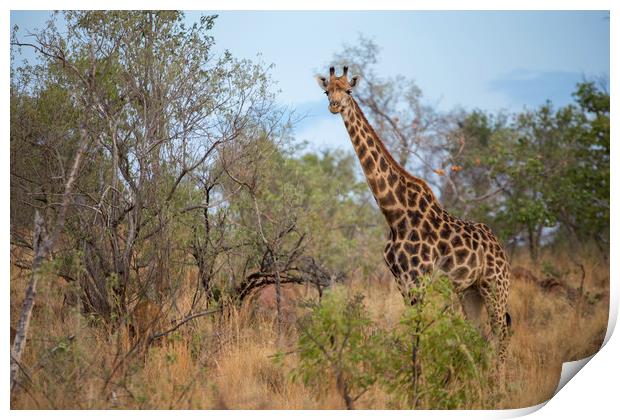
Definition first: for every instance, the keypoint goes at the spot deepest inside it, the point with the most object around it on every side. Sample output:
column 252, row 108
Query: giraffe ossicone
column 423, row 237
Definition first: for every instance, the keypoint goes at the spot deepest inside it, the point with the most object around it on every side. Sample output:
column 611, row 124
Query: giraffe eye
column 326, row 92
column 349, row 92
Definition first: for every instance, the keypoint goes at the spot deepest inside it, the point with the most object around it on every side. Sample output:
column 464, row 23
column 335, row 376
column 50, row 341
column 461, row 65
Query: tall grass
column 226, row 361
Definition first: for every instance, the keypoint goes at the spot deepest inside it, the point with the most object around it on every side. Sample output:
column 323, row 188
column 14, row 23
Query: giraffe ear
column 322, row 81
column 354, row 81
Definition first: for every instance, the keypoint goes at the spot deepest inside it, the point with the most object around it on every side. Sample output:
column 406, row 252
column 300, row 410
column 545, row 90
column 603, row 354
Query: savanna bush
column 434, row 358
column 338, row 340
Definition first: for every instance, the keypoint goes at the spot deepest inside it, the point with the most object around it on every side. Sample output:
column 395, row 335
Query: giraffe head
column 338, row 89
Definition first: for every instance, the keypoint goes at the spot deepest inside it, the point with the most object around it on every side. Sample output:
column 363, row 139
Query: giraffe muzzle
column 334, row 106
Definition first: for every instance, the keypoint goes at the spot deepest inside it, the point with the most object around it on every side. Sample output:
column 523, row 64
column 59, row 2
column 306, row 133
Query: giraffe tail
column 508, row 320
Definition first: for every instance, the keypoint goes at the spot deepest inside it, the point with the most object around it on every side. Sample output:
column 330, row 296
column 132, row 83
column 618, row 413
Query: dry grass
column 225, row 361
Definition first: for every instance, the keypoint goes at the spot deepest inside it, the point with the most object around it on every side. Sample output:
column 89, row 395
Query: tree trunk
column 533, row 243
column 344, row 391
column 24, row 319
column 42, row 245
column 279, row 304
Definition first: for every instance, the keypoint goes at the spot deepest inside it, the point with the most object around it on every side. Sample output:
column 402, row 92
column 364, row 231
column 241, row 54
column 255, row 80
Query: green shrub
column 337, row 340
column 433, row 359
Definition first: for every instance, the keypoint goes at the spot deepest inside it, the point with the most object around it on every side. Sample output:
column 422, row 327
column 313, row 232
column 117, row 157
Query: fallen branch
column 308, row 272
column 182, row 322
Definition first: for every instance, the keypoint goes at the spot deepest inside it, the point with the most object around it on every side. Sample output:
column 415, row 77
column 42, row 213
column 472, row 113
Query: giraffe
column 423, row 237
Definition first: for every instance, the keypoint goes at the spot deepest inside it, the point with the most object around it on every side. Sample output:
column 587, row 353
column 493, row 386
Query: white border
column 594, row 393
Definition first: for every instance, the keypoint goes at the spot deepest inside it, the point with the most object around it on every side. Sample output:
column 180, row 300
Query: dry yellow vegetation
column 225, row 361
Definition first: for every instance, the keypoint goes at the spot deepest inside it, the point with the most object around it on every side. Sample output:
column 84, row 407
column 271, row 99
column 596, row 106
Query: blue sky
column 470, row 59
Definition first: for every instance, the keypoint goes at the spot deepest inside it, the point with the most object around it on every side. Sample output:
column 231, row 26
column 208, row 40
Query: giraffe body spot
column 435, row 221
column 402, row 228
column 387, row 200
column 362, row 151
column 412, row 199
column 448, row 263
column 401, row 193
column 393, row 216
column 392, row 178
column 414, row 236
column 425, row 252
column 383, row 164
column 472, row 262
column 373, row 186
column 414, row 217
column 381, row 185
column 403, row 261
column 461, row 255
column 443, row 248
column 423, row 204
column 408, row 246
column 445, row 232
column 368, row 164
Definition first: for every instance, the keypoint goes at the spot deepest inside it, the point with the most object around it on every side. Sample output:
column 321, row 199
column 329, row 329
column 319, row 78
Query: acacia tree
column 156, row 119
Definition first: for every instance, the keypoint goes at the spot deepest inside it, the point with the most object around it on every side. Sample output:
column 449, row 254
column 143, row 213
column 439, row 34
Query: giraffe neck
column 391, row 185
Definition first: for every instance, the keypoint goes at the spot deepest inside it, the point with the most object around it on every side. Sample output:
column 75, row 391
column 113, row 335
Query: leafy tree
column 314, row 215
column 342, row 223
column 581, row 202
column 541, row 173
column 154, row 120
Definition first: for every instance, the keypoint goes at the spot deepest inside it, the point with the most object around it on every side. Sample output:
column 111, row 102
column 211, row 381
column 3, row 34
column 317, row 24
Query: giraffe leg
column 472, row 304
column 496, row 305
